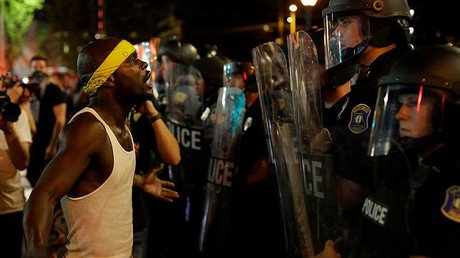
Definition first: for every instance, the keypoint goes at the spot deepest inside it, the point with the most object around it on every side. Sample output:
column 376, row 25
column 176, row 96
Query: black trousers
column 11, row 234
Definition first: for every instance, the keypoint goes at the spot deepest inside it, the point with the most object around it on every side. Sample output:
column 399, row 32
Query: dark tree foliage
column 66, row 27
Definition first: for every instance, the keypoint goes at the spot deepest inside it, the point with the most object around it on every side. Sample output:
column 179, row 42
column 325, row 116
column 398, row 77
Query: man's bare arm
column 18, row 151
column 166, row 143
column 59, row 112
column 79, row 142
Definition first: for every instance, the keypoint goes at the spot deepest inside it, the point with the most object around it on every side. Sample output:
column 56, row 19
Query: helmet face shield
column 418, row 103
column 404, row 112
column 345, row 37
column 236, row 74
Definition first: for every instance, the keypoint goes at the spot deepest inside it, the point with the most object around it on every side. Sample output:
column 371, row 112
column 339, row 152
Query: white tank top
column 100, row 223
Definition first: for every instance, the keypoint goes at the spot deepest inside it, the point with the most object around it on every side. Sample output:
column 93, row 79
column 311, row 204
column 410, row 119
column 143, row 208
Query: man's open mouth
column 147, row 76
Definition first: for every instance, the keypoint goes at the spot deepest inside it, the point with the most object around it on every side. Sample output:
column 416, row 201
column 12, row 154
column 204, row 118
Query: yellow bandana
column 110, row 64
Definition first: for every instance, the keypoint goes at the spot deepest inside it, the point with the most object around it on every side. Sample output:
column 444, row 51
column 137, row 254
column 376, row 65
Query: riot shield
column 183, row 111
column 222, row 167
column 278, row 115
column 184, row 95
column 184, row 108
column 306, row 88
column 316, row 162
column 291, row 107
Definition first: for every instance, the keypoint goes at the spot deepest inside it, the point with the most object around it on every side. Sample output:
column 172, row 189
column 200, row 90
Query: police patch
column 180, row 97
column 359, row 118
column 375, row 211
column 451, row 206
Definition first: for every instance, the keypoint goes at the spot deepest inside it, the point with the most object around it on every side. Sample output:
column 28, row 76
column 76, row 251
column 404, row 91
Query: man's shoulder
column 84, row 134
column 85, row 123
column 54, row 93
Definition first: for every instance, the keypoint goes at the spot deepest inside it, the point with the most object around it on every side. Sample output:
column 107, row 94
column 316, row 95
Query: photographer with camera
column 51, row 116
column 15, row 140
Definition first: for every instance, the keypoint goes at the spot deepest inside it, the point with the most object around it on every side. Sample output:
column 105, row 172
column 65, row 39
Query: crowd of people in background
column 169, row 163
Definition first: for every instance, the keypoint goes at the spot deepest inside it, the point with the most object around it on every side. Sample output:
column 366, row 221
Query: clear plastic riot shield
column 305, row 83
column 278, row 115
column 316, row 163
column 184, row 94
column 291, row 106
column 183, row 113
column 184, row 109
column 222, row 167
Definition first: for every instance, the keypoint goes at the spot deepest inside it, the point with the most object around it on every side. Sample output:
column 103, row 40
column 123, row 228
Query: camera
column 35, row 79
column 8, row 111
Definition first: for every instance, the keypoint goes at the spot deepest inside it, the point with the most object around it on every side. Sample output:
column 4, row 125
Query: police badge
column 359, row 118
column 247, row 123
column 451, row 206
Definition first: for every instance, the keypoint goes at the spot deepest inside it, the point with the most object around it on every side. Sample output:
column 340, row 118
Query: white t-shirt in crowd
column 11, row 191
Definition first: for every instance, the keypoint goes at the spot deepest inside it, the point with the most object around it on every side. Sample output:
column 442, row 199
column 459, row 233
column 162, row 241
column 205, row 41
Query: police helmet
column 240, row 74
column 352, row 25
column 423, row 86
column 211, row 69
column 178, row 51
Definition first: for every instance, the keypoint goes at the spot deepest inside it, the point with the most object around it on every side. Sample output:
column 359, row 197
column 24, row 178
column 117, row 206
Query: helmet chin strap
column 340, row 74
column 420, row 145
column 350, row 52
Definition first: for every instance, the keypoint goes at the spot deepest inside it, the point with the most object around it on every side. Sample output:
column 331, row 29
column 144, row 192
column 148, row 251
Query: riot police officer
column 373, row 34
column 211, row 69
column 256, row 225
column 175, row 57
column 182, row 100
column 416, row 108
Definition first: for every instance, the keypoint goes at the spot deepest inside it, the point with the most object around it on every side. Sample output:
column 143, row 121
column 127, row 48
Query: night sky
column 235, row 26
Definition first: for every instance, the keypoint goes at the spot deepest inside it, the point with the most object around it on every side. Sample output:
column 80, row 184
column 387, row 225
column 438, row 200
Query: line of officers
column 389, row 120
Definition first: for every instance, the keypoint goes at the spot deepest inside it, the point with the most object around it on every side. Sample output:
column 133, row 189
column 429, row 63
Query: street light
column 308, row 12
column 293, row 9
